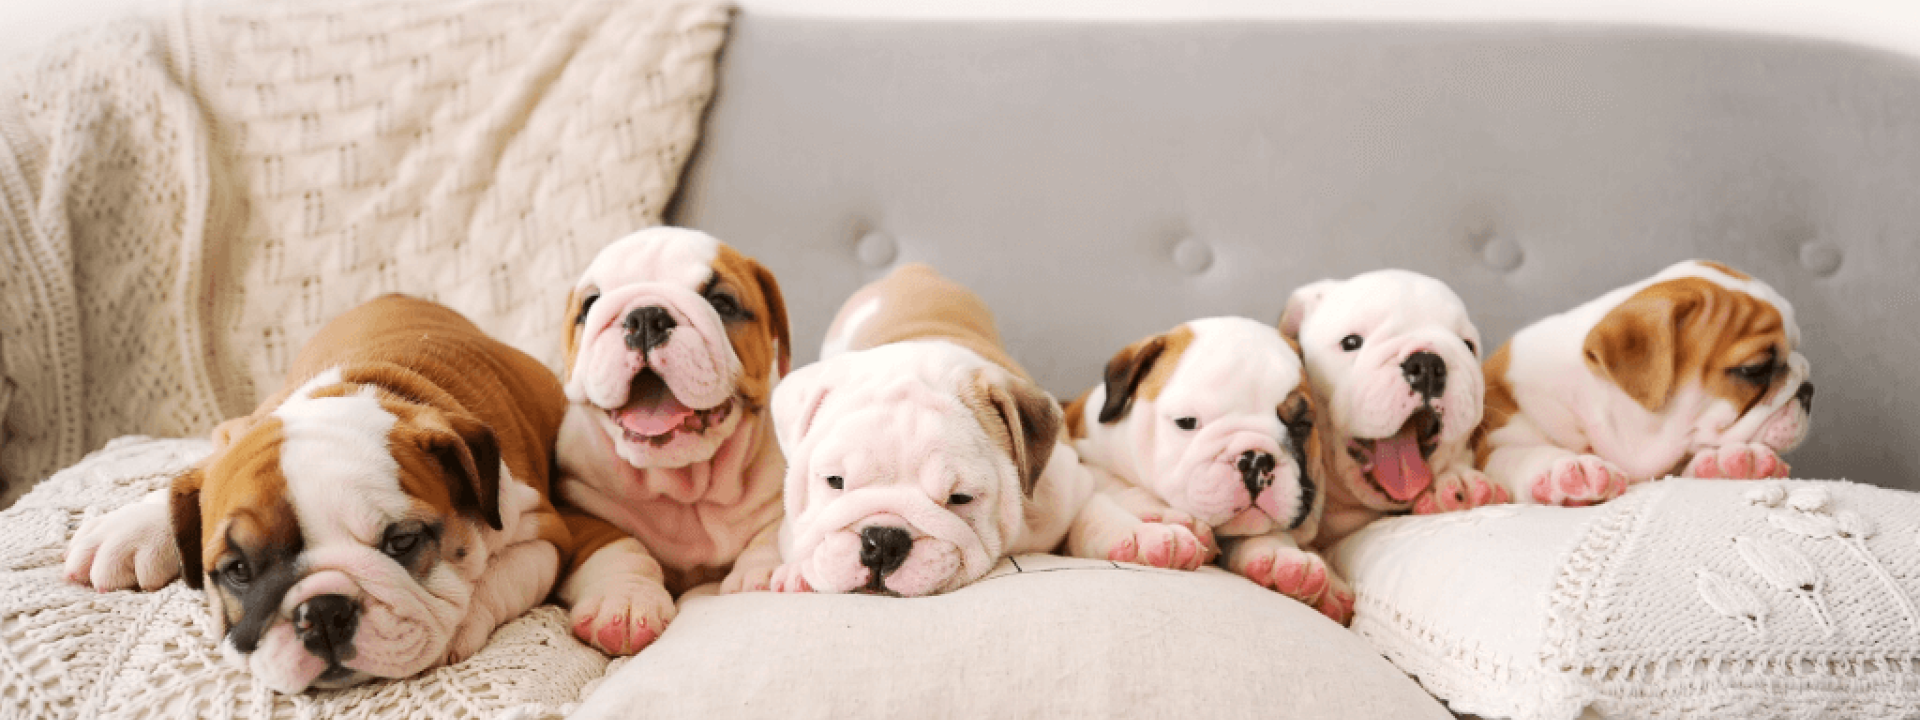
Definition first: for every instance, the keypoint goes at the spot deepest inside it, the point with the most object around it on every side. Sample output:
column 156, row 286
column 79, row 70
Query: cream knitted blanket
column 185, row 199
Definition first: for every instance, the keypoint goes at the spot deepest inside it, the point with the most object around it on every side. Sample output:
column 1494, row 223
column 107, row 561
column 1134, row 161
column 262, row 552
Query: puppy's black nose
column 647, row 327
column 1805, row 396
column 884, row 548
column 1426, row 373
column 325, row 624
column 1256, row 470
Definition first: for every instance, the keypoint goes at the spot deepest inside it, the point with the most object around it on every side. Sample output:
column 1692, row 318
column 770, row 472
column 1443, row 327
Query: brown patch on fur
column 573, row 319
column 242, row 496
column 765, row 341
column 1499, row 407
column 1686, row 330
column 1298, row 408
column 1076, row 416
column 1722, row 267
column 918, row 303
column 1156, row 379
column 1142, row 370
column 1019, row 417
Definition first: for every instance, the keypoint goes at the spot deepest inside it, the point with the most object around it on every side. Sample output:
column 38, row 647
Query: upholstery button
column 1502, row 254
column 1821, row 258
column 1192, row 256
column 877, row 249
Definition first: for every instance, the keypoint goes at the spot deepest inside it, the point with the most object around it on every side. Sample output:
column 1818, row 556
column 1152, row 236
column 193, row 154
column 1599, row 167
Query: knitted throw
column 69, row 652
column 185, row 199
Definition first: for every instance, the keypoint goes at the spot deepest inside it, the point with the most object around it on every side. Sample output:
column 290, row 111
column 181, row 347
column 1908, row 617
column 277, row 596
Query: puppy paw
column 1160, row 545
column 1303, row 576
column 622, row 616
column 747, row 576
column 1578, row 482
column 787, row 579
column 1200, row 530
column 1460, row 490
column 129, row 547
column 1737, row 461
column 472, row 634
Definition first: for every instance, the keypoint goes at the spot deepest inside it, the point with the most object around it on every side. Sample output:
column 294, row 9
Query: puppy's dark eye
column 399, row 543
column 585, row 305
column 836, row 482
column 1350, row 343
column 1186, row 423
column 1472, row 348
column 1300, row 423
column 237, row 573
column 959, row 499
column 1757, row 373
column 725, row 305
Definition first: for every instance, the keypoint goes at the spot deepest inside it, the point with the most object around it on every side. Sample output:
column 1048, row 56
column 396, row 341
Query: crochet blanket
column 185, row 199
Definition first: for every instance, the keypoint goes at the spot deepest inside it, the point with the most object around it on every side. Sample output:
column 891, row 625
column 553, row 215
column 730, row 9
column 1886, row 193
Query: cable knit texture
column 1682, row 599
column 69, row 652
column 185, row 199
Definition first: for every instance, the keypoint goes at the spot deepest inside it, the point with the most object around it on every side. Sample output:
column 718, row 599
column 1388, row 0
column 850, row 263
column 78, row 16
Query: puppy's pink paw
column 1460, row 490
column 1170, row 516
column 1160, row 545
column 1578, row 482
column 622, row 617
column 1303, row 576
column 130, row 547
column 1738, row 461
column 788, row 579
column 747, row 576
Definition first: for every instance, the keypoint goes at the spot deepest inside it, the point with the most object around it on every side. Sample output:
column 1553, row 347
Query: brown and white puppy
column 670, row 473
column 1395, row 366
column 1692, row 371
column 920, row 453
column 378, row 517
column 1207, row 430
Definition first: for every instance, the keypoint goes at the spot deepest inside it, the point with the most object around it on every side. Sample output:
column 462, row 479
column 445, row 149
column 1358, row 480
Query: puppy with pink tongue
column 919, row 454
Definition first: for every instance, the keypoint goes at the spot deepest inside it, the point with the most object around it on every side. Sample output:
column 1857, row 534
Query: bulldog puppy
column 670, row 473
column 1395, row 364
column 378, row 517
column 1692, row 371
column 919, row 452
column 1207, row 430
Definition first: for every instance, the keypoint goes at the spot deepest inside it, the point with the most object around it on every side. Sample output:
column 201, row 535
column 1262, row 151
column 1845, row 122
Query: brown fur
column 1142, row 370
column 1684, row 330
column 1499, row 407
column 757, row 343
column 1019, row 417
column 1076, row 416
column 923, row 305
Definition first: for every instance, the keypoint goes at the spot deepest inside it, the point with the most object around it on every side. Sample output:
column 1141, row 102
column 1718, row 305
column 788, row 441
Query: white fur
column 1567, row 411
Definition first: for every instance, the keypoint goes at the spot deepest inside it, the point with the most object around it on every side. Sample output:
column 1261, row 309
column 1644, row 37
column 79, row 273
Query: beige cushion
column 1040, row 637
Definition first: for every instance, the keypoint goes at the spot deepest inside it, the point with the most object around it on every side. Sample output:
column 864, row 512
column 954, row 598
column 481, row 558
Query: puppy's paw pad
column 1337, row 603
column 1579, row 481
column 1460, row 490
column 1160, row 545
column 788, row 579
column 1738, row 461
column 623, row 619
column 1292, row 572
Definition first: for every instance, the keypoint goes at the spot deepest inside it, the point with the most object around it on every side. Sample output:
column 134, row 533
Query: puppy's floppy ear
column 776, row 314
column 1124, row 373
column 1636, row 347
column 572, row 316
column 466, row 448
column 1301, row 304
column 1020, row 414
column 183, row 505
column 796, row 403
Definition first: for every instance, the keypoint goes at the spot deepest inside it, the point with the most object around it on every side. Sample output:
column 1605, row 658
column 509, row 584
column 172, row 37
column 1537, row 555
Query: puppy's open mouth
column 1397, row 465
column 654, row 416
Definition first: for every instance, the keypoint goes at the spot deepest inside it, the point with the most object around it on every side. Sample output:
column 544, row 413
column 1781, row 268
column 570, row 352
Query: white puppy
column 1395, row 364
column 1693, row 370
column 1207, row 429
column 918, row 453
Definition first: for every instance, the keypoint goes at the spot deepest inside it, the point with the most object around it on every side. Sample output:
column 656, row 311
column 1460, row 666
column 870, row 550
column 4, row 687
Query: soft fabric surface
column 1040, row 637
column 68, row 652
column 1683, row 598
column 185, row 199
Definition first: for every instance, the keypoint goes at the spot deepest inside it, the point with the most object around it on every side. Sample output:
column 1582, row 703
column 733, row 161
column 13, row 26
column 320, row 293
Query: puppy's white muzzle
column 686, row 345
column 1234, row 474
column 927, row 550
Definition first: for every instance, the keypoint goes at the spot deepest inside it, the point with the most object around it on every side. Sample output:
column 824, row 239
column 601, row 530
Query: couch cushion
column 1041, row 636
column 1683, row 598
column 69, row 652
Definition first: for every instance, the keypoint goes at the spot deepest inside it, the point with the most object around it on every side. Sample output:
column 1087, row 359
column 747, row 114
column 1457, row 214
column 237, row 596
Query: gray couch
column 1098, row 180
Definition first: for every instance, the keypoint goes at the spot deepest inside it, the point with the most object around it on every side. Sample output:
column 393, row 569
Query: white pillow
column 1684, row 598
column 67, row 651
column 1041, row 636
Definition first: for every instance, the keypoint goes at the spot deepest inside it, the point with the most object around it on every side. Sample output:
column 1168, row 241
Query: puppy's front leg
column 1274, row 561
column 1106, row 530
column 614, row 589
column 132, row 546
column 516, row 580
column 1534, row 469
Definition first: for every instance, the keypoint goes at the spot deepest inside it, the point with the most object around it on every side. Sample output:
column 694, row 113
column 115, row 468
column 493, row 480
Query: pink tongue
column 651, row 408
column 1398, row 467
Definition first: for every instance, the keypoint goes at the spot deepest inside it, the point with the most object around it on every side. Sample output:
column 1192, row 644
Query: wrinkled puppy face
column 340, row 537
column 1215, row 417
column 907, row 476
column 673, row 338
column 1396, row 361
column 1707, row 353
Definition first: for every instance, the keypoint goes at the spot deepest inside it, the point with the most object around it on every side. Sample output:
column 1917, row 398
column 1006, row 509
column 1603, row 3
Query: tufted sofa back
column 1101, row 181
